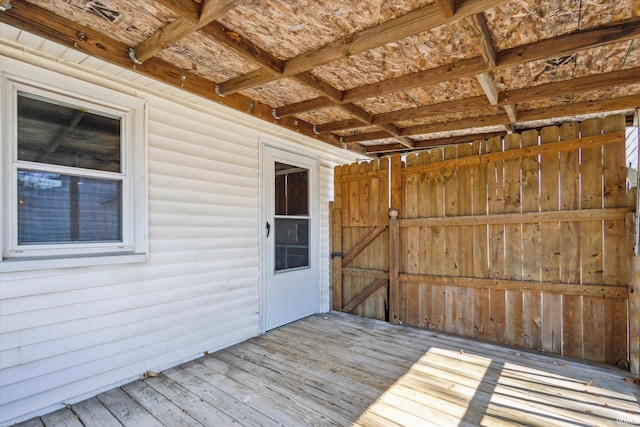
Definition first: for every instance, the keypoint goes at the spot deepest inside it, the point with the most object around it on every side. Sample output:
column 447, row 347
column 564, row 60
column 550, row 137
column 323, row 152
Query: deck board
column 338, row 369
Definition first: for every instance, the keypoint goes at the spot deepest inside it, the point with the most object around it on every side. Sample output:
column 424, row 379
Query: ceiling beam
column 487, row 48
column 243, row 47
column 432, row 143
column 431, row 110
column 564, row 87
column 548, row 113
column 470, row 122
column 488, row 85
column 508, row 58
column 507, row 99
column 399, row 28
column 41, row 22
column 447, row 7
column 489, row 54
column 331, row 93
column 180, row 28
column 186, row 9
column 576, row 109
column 478, row 65
column 366, row 118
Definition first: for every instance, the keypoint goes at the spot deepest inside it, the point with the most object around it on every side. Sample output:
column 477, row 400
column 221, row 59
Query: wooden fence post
column 336, row 256
column 396, row 209
column 634, row 315
column 394, row 265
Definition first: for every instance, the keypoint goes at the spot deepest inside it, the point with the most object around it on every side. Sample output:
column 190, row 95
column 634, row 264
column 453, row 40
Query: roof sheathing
column 125, row 21
column 289, row 28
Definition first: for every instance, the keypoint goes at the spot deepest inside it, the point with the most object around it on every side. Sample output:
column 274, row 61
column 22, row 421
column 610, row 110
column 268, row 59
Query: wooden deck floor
column 338, row 369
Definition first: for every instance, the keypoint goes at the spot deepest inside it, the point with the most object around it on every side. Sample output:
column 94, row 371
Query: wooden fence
column 524, row 240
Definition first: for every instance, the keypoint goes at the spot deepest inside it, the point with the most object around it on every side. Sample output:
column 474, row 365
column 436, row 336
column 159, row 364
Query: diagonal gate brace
column 364, row 294
column 370, row 237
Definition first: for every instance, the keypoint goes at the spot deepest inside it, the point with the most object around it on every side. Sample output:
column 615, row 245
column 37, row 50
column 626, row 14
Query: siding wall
column 66, row 334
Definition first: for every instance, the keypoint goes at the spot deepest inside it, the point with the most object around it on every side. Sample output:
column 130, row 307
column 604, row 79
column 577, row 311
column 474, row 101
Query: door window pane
column 55, row 208
column 292, row 243
column 292, row 217
column 292, row 188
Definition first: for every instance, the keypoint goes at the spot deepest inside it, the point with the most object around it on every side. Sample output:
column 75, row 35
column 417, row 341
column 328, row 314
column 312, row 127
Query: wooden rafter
column 506, row 99
column 201, row 16
column 508, row 58
column 242, row 46
column 432, row 143
column 186, row 9
column 489, row 54
column 180, row 28
column 569, row 110
column 447, row 7
column 396, row 29
column 534, row 51
column 56, row 28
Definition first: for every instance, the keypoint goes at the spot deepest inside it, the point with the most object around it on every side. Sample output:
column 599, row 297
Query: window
column 291, row 217
column 73, row 172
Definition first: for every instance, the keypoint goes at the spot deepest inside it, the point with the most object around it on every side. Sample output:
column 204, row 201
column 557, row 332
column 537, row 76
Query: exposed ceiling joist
column 507, row 100
column 447, row 7
column 180, row 28
column 582, row 108
column 407, row 25
column 387, row 103
column 186, row 9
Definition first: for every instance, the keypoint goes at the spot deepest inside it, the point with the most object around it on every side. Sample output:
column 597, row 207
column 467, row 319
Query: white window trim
column 16, row 76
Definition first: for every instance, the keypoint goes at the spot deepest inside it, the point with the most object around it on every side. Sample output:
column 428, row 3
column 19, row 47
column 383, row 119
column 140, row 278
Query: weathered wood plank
column 337, row 299
column 634, row 316
column 128, row 411
column 549, row 148
column 614, row 195
column 549, row 288
column 514, row 324
column 158, row 405
column 364, row 294
column 362, row 244
column 452, row 304
column 236, row 409
column 609, row 214
column 33, row 422
column 550, row 245
column 62, row 417
column 92, row 412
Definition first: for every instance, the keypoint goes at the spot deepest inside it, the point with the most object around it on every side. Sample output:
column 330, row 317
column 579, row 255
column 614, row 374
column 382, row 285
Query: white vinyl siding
column 67, row 334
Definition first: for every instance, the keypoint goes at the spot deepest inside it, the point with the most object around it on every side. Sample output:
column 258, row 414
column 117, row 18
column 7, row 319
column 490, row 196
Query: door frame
column 314, row 226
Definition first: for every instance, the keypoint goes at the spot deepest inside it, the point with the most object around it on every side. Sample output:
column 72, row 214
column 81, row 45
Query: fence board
column 514, row 322
column 570, row 258
column 592, row 241
column 480, row 254
column 550, row 248
column 531, row 239
column 616, row 255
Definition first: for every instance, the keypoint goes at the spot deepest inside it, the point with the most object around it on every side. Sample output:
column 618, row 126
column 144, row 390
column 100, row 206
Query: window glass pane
column 292, row 243
column 292, row 190
column 54, row 208
column 61, row 134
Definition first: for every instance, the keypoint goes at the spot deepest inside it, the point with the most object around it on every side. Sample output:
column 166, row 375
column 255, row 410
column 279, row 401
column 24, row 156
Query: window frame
column 18, row 77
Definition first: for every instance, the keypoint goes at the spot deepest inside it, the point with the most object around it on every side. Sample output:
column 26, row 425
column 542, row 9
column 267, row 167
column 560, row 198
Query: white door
column 290, row 237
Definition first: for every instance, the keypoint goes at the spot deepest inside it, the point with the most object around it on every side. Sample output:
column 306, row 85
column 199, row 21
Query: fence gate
column 524, row 240
column 359, row 230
